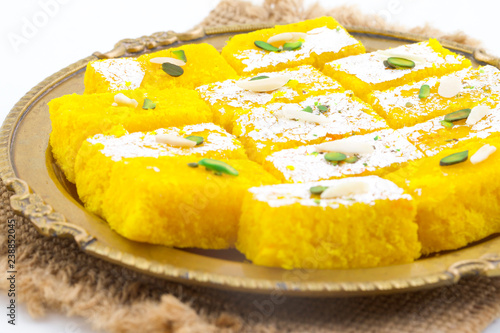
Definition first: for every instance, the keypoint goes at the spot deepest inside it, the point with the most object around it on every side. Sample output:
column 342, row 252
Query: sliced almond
column 122, row 100
column 346, row 147
column 477, row 113
column 483, row 153
column 287, row 37
column 175, row 141
column 162, row 60
column 345, row 189
column 299, row 115
column 449, row 86
column 264, row 85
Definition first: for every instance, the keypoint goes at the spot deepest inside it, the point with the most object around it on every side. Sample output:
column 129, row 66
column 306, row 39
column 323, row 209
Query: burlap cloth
column 54, row 275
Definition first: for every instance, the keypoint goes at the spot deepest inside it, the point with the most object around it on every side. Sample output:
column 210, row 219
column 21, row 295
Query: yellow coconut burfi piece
column 110, row 75
column 433, row 136
column 387, row 151
column 165, row 201
column 228, row 100
column 367, row 72
column 323, row 39
column 402, row 106
column 75, row 118
column 374, row 227
column 204, row 65
column 280, row 125
column 456, row 204
column 99, row 153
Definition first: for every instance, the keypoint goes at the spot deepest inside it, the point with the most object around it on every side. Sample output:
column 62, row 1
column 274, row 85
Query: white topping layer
column 145, row 144
column 121, row 74
column 369, row 67
column 289, row 194
column 318, row 41
column 305, row 164
column 482, row 154
column 476, row 85
column 228, row 92
column 424, row 134
column 345, row 115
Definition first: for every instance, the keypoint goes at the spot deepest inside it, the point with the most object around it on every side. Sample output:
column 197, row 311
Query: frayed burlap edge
column 230, row 12
column 54, row 275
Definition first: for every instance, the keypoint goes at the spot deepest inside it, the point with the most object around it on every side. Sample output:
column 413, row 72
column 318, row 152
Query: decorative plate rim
column 51, row 223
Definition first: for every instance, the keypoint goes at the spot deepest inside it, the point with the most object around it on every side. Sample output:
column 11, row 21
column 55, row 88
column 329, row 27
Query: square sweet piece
column 76, row 117
column 432, row 136
column 100, row 153
column 402, row 106
column 367, row 72
column 286, row 125
column 456, row 204
column 204, row 65
column 165, row 201
column 319, row 41
column 228, row 100
column 368, row 222
column 376, row 153
column 110, row 75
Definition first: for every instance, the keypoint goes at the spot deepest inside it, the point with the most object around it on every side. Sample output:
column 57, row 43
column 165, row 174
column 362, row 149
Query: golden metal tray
column 43, row 195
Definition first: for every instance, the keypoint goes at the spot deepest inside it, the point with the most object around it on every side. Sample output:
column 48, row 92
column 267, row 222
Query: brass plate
column 50, row 202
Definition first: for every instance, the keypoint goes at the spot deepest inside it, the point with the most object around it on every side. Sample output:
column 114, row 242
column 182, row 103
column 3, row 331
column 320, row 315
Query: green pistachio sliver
column 352, row 159
column 179, row 54
column 454, row 158
column 323, row 108
column 172, row 70
column 447, row 124
column 261, row 77
column 307, row 109
column 218, row 166
column 388, row 65
column 409, row 105
column 193, row 165
column 457, row 115
column 400, row 63
column 292, row 46
column 424, row 92
column 148, row 104
column 317, row 189
column 335, row 157
column 195, row 138
column 266, row 46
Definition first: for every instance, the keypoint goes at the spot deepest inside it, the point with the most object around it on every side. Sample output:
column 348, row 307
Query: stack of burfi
column 98, row 154
column 371, row 71
column 232, row 98
column 386, row 155
column 346, row 223
column 312, row 42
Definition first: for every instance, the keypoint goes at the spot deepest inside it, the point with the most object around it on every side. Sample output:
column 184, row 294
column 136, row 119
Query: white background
column 38, row 39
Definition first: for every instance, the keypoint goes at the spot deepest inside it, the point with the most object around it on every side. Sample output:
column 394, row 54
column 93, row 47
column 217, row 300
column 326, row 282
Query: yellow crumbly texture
column 93, row 167
column 457, row 204
column 363, row 89
column 314, row 237
column 204, row 65
column 75, row 118
column 239, row 43
column 164, row 201
column 407, row 109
